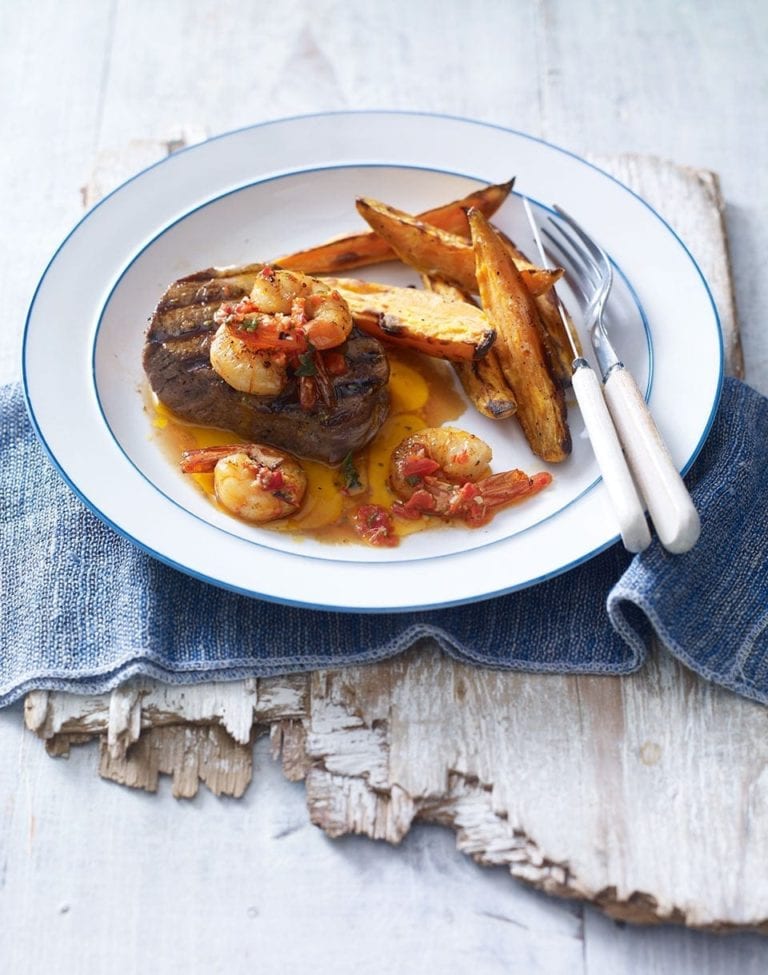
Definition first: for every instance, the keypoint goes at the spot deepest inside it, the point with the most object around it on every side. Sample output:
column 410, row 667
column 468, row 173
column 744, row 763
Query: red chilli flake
column 264, row 332
column 374, row 524
column 233, row 315
column 299, row 312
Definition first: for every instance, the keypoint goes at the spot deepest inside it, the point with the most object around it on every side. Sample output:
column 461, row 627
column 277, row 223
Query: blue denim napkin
column 81, row 609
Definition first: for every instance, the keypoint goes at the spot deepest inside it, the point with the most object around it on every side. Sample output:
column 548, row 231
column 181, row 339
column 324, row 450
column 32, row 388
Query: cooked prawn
column 246, row 370
column 287, row 316
column 459, row 455
column 445, row 471
column 253, row 481
column 287, row 310
column 319, row 311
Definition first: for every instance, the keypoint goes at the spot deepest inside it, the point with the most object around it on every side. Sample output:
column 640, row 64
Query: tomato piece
column 272, row 480
column 262, row 332
column 420, row 503
column 374, row 524
column 335, row 363
column 419, row 466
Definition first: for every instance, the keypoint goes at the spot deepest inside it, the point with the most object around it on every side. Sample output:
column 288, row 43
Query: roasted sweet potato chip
column 512, row 310
column 417, row 319
column 360, row 250
column 439, row 253
column 482, row 380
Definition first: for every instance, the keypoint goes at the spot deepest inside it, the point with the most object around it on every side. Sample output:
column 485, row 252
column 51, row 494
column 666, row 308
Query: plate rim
column 281, row 600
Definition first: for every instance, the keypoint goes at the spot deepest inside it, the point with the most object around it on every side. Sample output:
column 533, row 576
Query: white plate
column 270, row 189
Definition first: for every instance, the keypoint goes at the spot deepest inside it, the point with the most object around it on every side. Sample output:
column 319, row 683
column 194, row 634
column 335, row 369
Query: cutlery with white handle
column 602, row 434
column 669, row 504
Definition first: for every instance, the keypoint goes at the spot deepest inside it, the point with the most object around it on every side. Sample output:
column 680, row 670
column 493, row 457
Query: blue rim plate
column 268, row 189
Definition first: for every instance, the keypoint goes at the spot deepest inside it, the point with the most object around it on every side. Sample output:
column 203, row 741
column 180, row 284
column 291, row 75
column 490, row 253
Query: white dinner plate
column 254, row 194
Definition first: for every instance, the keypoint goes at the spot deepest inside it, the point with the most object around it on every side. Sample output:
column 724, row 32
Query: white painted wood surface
column 113, row 877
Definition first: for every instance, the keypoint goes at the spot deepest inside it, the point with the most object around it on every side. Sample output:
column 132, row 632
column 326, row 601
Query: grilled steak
column 177, row 365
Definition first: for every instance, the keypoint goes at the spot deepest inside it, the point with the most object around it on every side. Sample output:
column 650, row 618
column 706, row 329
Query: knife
column 606, row 446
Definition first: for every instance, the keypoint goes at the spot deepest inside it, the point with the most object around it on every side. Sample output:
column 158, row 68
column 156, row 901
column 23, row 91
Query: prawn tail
column 204, row 460
column 509, row 486
column 472, row 502
column 498, row 490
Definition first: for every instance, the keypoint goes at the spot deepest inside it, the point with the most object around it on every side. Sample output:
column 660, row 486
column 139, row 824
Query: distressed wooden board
column 568, row 782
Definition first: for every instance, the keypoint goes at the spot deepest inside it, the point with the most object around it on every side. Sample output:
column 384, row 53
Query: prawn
column 444, row 471
column 287, row 317
column 245, row 370
column 253, row 481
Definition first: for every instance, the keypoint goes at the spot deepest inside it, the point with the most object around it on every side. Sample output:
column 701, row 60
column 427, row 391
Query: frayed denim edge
column 618, row 595
column 238, row 669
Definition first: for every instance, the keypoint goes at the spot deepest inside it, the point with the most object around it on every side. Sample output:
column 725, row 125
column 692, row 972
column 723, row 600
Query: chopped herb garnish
column 306, row 366
column 352, row 480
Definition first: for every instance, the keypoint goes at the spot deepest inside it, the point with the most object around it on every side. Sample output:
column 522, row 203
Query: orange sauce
column 422, row 394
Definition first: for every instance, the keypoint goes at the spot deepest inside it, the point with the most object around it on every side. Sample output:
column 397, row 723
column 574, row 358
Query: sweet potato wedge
column 436, row 252
column 512, row 310
column 485, row 385
column 482, row 380
column 554, row 335
column 561, row 354
column 417, row 319
column 360, row 250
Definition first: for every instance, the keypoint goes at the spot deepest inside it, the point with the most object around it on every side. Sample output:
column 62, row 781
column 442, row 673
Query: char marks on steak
column 177, row 364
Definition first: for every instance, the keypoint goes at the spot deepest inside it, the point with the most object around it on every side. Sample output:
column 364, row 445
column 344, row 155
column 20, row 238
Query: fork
column 669, row 504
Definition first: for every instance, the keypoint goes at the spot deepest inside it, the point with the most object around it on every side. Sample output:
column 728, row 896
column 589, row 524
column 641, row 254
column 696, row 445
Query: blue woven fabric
column 82, row 610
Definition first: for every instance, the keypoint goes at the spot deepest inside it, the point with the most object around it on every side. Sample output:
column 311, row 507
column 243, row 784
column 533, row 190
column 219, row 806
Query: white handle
column 618, row 480
column 669, row 503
